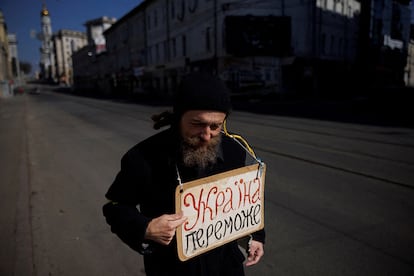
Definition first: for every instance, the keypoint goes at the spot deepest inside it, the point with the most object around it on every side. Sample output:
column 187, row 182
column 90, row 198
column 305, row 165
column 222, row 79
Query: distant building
column 57, row 49
column 14, row 57
column 95, row 29
column 5, row 69
column 66, row 42
column 6, row 82
column 46, row 50
column 90, row 67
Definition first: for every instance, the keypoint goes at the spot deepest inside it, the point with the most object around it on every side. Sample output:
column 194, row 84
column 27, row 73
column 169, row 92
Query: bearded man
column 141, row 211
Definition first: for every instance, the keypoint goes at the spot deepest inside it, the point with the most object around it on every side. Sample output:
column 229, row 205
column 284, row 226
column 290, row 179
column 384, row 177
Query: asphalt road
column 339, row 196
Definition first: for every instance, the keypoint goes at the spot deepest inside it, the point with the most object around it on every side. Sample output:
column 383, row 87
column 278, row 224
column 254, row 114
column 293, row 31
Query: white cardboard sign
column 220, row 208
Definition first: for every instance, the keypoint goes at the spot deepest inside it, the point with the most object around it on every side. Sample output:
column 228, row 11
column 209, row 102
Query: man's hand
column 255, row 252
column 162, row 229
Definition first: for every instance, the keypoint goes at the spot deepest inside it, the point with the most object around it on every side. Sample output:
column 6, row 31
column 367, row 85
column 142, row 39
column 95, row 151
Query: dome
column 44, row 11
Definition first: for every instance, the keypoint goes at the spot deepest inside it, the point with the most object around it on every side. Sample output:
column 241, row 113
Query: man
column 142, row 196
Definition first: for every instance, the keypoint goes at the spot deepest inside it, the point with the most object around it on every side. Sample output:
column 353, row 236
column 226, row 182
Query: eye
column 199, row 124
column 215, row 126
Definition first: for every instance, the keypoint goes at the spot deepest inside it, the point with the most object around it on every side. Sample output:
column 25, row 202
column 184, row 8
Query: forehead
column 204, row 116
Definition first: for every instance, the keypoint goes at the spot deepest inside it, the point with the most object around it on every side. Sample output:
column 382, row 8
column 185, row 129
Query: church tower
column 46, row 50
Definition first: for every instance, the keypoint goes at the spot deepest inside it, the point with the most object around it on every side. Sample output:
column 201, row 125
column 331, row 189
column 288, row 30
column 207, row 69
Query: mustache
column 195, row 141
column 202, row 156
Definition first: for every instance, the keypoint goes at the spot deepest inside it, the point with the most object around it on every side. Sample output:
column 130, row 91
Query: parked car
column 35, row 90
column 18, row 90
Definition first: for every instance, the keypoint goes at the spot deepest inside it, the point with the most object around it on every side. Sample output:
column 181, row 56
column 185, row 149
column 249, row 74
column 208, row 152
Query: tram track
column 314, row 162
column 144, row 116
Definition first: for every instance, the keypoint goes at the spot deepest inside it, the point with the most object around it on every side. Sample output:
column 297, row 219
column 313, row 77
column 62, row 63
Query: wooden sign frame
column 219, row 209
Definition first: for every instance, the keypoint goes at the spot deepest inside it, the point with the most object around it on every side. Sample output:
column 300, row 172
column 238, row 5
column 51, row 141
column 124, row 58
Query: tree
column 25, row 67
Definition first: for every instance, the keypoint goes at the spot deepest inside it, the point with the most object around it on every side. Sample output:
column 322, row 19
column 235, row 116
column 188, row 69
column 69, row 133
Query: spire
column 44, row 11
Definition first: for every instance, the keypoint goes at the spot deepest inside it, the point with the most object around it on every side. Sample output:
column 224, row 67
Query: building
column 14, row 58
column 6, row 83
column 5, row 69
column 303, row 47
column 66, row 42
column 47, row 58
column 57, row 49
column 95, row 29
column 409, row 69
column 91, row 67
column 383, row 45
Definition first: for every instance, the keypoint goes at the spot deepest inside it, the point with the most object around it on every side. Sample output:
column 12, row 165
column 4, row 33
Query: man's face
column 200, row 131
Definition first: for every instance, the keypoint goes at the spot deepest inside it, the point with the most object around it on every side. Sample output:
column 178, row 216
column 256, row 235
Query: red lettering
column 228, row 206
column 206, row 206
column 256, row 194
column 192, row 204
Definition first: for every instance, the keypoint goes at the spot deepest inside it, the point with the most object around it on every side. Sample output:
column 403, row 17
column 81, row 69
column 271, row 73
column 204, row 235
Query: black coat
column 144, row 189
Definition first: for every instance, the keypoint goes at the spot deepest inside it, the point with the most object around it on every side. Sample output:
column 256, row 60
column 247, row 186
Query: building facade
column 47, row 58
column 14, row 57
column 66, row 42
column 94, row 31
column 295, row 46
column 5, row 69
column 92, row 68
column 409, row 68
column 6, row 84
column 384, row 41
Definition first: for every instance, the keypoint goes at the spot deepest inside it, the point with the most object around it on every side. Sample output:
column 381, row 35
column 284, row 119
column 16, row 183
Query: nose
column 205, row 134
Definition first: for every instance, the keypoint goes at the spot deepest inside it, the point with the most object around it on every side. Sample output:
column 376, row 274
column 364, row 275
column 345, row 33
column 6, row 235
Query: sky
column 23, row 18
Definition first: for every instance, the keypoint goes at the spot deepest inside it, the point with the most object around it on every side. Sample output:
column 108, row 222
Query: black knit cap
column 201, row 91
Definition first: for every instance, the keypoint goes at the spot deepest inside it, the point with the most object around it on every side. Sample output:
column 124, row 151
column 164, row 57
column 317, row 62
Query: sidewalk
column 15, row 230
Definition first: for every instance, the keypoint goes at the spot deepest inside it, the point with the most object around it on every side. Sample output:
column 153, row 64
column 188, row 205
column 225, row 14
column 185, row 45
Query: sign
column 219, row 209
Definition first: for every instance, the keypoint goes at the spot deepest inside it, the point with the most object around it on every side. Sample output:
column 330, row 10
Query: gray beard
column 202, row 157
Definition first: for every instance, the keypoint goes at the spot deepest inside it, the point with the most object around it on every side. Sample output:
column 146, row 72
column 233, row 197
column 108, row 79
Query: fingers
column 255, row 253
column 162, row 229
column 176, row 220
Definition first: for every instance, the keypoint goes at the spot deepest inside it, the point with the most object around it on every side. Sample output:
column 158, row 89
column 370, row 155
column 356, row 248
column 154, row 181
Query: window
column 323, row 42
column 192, row 5
column 340, row 46
column 208, row 39
column 149, row 55
column 184, row 45
column 165, row 51
column 155, row 18
column 172, row 9
column 174, row 47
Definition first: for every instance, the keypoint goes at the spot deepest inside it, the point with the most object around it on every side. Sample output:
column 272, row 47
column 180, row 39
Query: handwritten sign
column 220, row 208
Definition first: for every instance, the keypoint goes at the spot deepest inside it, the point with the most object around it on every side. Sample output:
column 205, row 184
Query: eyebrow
column 200, row 121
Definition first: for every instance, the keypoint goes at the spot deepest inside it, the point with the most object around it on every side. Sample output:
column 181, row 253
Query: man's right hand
column 162, row 229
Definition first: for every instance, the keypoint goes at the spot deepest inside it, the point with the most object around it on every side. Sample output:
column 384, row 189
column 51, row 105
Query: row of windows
column 339, row 6
column 176, row 47
column 177, row 10
column 159, row 52
column 72, row 45
column 333, row 46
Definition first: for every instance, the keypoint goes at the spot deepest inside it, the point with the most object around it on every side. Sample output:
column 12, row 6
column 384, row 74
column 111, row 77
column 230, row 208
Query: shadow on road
column 394, row 109
column 391, row 107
